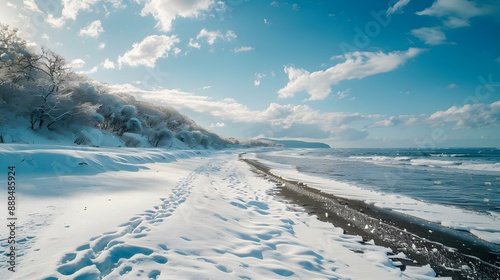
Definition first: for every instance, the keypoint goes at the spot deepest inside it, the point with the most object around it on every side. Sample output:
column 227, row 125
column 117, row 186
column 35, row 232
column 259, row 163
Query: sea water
column 465, row 178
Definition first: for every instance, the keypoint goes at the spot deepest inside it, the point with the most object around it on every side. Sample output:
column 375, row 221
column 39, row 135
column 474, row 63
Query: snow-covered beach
column 106, row 213
column 203, row 139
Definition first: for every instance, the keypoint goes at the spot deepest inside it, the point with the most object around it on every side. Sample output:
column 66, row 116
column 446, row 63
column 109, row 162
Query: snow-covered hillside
column 102, row 213
column 43, row 100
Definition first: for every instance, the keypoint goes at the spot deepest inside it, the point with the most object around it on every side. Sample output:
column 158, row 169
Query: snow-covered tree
column 187, row 137
column 128, row 111
column 131, row 139
column 16, row 61
column 54, row 71
column 38, row 86
column 134, row 125
column 162, row 138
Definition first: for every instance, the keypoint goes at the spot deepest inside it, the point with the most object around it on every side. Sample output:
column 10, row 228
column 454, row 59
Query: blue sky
column 355, row 73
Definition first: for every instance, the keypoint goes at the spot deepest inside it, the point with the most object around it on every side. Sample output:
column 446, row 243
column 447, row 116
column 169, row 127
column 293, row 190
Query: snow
column 484, row 226
column 123, row 213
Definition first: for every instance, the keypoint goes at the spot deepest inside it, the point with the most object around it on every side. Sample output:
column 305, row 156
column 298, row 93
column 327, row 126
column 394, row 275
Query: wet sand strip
column 449, row 252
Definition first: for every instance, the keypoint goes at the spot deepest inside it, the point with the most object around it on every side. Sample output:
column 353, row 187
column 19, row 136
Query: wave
column 381, row 158
column 449, row 155
column 434, row 163
column 405, row 161
column 494, row 167
column 427, row 162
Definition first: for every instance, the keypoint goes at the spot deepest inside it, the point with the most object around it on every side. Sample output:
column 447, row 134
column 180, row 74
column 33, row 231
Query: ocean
column 465, row 178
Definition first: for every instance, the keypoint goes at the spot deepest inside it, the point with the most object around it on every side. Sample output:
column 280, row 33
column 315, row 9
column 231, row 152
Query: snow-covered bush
column 98, row 118
column 187, row 137
column 128, row 111
column 198, row 136
column 134, row 125
column 90, row 137
column 162, row 138
column 132, row 139
column 206, row 141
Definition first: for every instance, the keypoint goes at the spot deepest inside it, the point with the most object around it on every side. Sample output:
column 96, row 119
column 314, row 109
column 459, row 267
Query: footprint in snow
column 105, row 253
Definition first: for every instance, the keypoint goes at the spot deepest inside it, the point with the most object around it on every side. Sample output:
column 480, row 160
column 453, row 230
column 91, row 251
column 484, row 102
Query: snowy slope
column 152, row 214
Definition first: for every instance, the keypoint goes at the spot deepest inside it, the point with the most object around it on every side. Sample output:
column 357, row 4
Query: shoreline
column 449, row 252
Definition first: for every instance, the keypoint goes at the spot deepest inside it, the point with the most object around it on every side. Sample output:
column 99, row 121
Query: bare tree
column 55, row 69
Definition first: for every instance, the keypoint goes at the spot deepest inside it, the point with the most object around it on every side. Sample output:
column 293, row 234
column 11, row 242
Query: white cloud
column 92, row 70
column 177, row 51
column 414, row 120
column 219, row 9
column 70, row 10
column 10, row 5
column 76, row 63
column 45, row 37
column 275, row 4
column 295, row 7
column 108, row 64
column 451, row 86
column 243, row 49
column 212, row 36
column 117, row 4
column 430, row 35
column 30, row 44
column 455, row 13
column 391, row 121
column 343, row 94
column 406, row 120
column 280, row 116
column 166, row 11
column 258, row 78
column 498, row 59
column 266, row 22
column 31, row 5
column 357, row 65
column 469, row 115
column 219, row 124
column 346, row 133
column 94, row 29
column 55, row 22
column 102, row 45
column 230, row 35
column 193, row 44
column 148, row 51
column 455, row 22
column 396, row 7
